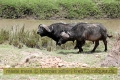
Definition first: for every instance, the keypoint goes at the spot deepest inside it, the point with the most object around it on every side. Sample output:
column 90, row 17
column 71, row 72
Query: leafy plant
column 4, row 36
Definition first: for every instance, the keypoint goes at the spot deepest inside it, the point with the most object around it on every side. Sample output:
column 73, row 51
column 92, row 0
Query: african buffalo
column 86, row 31
column 54, row 30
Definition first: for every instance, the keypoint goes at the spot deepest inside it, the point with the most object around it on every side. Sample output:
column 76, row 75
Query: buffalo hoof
column 105, row 50
column 78, row 52
column 92, row 51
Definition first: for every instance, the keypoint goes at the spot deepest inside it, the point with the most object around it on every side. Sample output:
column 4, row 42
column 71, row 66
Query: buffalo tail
column 109, row 36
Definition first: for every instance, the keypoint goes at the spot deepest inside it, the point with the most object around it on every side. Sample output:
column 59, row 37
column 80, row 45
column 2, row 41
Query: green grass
column 59, row 9
column 108, row 1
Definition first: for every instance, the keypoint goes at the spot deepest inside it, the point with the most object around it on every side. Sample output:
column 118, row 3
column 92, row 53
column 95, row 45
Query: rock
column 85, row 65
column 7, row 66
column 60, row 64
column 97, row 56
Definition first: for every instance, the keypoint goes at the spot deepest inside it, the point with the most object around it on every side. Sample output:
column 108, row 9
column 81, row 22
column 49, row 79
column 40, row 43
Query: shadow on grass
column 65, row 53
column 76, row 52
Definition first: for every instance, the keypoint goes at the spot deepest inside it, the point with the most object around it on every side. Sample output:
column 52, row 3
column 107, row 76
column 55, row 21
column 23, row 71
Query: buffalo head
column 64, row 38
column 43, row 29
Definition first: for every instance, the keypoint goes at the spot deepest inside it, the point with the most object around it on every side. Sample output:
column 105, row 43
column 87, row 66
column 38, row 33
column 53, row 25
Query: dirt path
column 37, row 59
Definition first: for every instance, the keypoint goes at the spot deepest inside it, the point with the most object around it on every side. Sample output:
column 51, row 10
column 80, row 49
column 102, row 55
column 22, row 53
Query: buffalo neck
column 50, row 35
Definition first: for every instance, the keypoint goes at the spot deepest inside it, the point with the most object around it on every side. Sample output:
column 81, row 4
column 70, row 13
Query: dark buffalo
column 54, row 30
column 86, row 31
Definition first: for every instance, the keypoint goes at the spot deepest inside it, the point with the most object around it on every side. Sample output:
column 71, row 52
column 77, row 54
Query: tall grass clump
column 4, row 36
column 20, row 37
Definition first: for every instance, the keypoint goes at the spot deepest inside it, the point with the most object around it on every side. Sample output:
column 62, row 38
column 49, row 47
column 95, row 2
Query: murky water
column 112, row 25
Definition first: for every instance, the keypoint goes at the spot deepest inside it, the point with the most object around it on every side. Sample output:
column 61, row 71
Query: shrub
column 4, row 36
column 65, row 9
column 111, row 9
column 19, row 37
column 31, row 39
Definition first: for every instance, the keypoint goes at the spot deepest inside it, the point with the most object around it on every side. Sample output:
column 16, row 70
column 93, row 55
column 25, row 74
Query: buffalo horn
column 46, row 27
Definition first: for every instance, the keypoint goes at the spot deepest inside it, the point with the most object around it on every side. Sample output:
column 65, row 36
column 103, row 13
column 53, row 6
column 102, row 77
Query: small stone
column 97, row 56
column 7, row 66
column 84, row 65
column 60, row 64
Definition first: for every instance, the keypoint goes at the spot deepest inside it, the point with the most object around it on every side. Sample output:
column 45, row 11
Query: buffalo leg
column 80, row 44
column 77, row 44
column 96, row 45
column 105, row 43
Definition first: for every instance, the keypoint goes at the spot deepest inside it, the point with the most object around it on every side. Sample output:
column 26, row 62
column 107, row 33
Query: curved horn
column 46, row 27
column 64, row 35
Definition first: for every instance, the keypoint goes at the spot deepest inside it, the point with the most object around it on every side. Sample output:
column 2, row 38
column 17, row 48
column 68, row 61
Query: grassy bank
column 60, row 9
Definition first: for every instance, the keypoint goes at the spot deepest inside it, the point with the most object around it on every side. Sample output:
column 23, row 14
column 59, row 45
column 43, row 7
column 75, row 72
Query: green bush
column 24, row 8
column 14, row 11
column 79, row 9
column 111, row 10
column 19, row 37
column 4, row 36
column 32, row 39
column 45, row 9
column 61, row 9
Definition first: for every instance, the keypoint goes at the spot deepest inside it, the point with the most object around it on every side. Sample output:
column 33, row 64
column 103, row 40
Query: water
column 112, row 25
